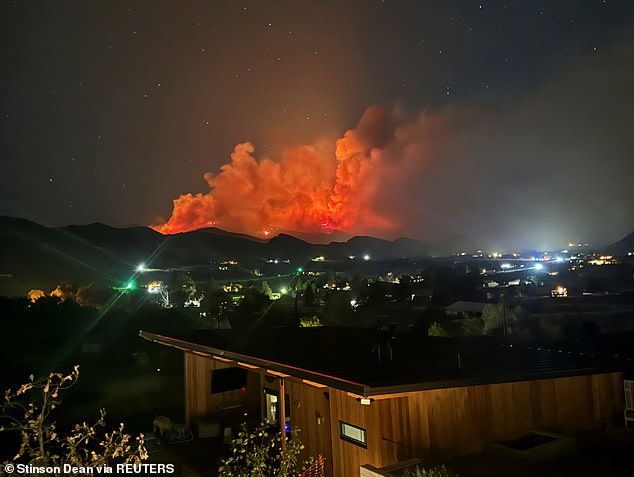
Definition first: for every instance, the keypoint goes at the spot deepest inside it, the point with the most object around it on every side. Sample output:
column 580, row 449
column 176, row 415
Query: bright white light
column 506, row 265
column 538, row 266
column 353, row 303
column 283, row 291
column 366, row 257
column 141, row 267
column 559, row 260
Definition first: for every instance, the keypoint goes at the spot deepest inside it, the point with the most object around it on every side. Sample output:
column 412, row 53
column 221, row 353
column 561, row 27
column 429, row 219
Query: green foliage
column 472, row 327
column 28, row 410
column 254, row 300
column 93, row 295
column 310, row 291
column 496, row 315
column 184, row 289
column 438, row 471
column 309, row 322
column 258, row 453
column 266, row 289
column 436, row 329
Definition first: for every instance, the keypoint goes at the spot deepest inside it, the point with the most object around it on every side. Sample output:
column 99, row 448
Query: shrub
column 308, row 322
column 258, row 453
column 438, row 471
column 27, row 411
column 436, row 329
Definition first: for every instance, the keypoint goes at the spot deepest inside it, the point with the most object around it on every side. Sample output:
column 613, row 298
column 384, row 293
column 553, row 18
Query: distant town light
column 506, row 265
column 538, row 266
column 154, row 287
column 366, row 257
column 559, row 292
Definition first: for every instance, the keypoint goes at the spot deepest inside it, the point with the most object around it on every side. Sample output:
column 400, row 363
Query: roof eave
column 264, row 364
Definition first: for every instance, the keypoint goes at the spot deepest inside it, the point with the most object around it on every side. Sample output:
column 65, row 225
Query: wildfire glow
column 310, row 189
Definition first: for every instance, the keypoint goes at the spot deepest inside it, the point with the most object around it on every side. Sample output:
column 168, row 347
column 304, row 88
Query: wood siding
column 201, row 404
column 458, row 421
column 310, row 412
column 309, row 407
column 442, row 422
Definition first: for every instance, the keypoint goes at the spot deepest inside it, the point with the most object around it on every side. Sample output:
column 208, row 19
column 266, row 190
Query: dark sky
column 512, row 122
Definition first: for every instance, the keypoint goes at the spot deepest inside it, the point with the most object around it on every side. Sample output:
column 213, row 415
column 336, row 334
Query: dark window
column 353, row 434
column 228, row 379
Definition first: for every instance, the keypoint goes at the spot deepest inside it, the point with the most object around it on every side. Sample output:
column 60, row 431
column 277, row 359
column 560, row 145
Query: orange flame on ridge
column 310, row 189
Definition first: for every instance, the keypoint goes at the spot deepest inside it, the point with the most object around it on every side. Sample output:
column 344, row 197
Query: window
column 228, row 379
column 271, row 404
column 353, row 434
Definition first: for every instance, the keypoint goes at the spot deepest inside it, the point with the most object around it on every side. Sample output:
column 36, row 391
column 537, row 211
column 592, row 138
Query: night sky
column 505, row 124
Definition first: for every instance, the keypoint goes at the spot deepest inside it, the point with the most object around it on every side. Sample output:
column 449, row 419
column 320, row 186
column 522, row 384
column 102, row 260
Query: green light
column 127, row 287
column 300, row 270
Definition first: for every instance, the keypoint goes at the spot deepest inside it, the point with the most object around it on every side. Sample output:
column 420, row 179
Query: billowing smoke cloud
column 329, row 186
column 532, row 174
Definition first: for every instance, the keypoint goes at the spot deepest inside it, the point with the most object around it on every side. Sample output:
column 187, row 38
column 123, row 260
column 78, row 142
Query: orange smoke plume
column 309, row 189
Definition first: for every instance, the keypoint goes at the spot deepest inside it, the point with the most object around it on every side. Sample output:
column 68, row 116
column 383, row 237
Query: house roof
column 358, row 360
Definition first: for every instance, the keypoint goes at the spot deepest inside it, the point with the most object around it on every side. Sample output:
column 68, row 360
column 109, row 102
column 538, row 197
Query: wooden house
column 368, row 397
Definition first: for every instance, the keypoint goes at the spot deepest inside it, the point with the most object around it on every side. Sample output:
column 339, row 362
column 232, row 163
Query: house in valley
column 362, row 396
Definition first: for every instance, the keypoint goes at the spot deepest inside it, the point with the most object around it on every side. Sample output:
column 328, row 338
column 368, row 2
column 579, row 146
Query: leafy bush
column 436, row 329
column 472, row 327
column 27, row 411
column 308, row 322
column 438, row 471
column 258, row 453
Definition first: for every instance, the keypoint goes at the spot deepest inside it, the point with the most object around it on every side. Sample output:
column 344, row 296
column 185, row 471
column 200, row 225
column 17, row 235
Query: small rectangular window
column 353, row 434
